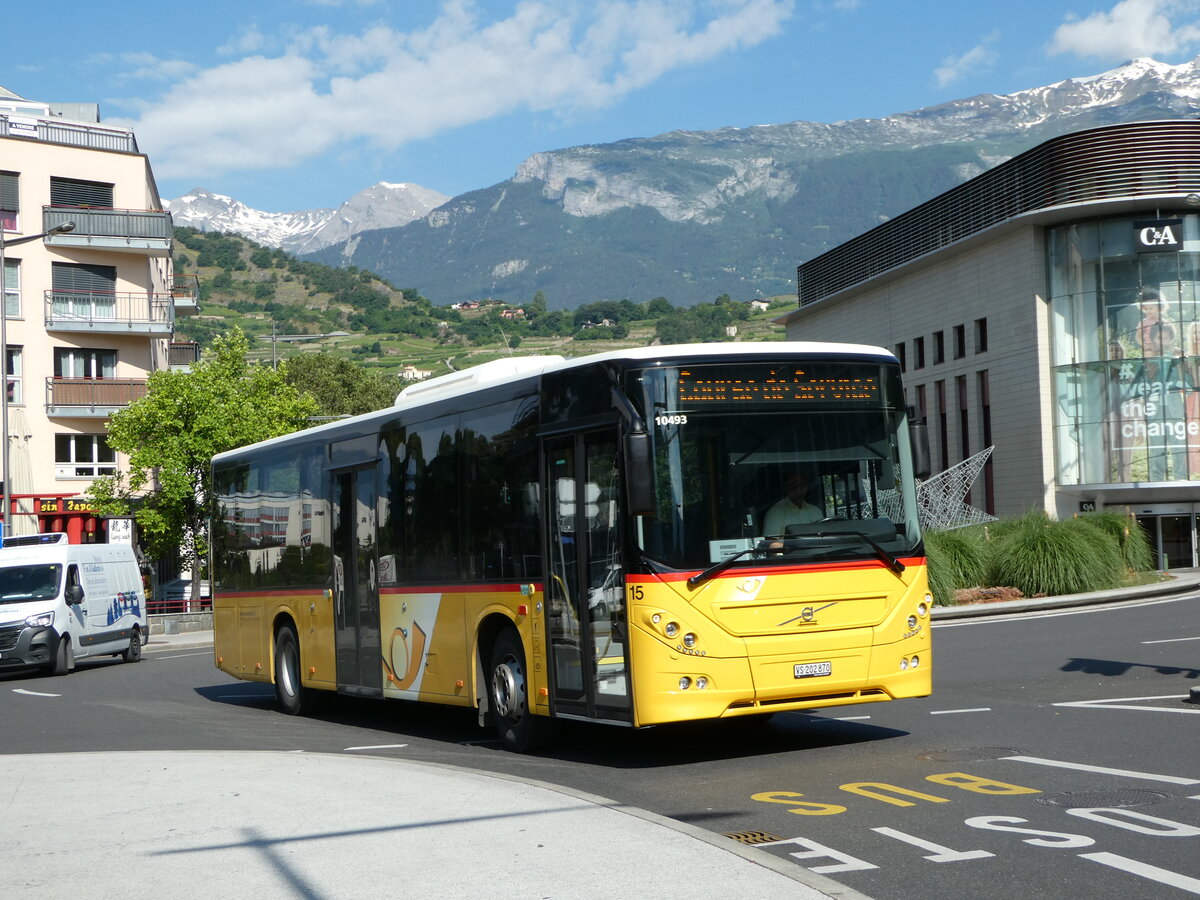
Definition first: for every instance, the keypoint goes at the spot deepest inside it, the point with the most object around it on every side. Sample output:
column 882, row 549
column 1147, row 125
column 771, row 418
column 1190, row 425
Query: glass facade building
column 1124, row 295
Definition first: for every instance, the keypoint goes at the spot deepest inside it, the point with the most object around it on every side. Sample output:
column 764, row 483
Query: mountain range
column 690, row 215
column 383, row 205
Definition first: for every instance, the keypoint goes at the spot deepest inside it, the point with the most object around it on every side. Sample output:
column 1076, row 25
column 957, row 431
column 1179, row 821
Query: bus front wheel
column 518, row 727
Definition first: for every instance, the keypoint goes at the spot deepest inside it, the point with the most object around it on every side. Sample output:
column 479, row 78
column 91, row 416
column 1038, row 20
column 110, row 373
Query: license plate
column 813, row 670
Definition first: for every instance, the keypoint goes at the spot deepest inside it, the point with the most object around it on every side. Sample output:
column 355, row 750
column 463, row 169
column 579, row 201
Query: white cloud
column 388, row 87
column 1132, row 28
column 979, row 58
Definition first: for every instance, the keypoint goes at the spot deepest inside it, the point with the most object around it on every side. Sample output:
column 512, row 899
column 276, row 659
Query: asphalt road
column 1056, row 756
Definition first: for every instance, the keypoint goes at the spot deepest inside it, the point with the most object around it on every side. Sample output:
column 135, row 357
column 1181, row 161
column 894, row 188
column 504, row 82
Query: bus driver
column 792, row 509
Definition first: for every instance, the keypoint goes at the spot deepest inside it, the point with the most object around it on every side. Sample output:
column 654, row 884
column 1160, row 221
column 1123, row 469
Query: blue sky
column 301, row 104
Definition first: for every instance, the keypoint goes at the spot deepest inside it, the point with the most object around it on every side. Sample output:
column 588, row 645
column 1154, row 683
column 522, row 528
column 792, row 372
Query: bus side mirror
column 918, row 434
column 639, row 475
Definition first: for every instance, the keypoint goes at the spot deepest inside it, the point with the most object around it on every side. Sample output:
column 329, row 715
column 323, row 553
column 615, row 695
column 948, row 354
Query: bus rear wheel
column 509, row 707
column 288, row 692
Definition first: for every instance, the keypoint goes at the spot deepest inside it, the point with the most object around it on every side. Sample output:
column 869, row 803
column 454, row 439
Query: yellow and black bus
column 543, row 539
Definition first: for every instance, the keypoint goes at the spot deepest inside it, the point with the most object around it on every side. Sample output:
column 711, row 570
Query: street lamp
column 5, row 494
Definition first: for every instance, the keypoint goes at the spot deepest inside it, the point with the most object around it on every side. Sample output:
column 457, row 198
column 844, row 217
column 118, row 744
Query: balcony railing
column 74, row 134
column 100, row 311
column 91, row 397
column 132, row 230
column 182, row 354
column 185, row 290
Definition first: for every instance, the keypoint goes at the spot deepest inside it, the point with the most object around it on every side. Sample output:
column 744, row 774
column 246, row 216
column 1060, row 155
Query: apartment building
column 89, row 312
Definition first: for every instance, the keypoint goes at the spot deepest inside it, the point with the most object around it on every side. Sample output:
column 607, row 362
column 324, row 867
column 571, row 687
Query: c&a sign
column 1154, row 235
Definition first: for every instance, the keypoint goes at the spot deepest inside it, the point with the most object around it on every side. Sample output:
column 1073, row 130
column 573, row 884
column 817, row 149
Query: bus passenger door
column 356, row 584
column 585, row 584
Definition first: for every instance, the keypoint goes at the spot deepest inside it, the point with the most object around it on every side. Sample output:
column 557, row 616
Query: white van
column 60, row 602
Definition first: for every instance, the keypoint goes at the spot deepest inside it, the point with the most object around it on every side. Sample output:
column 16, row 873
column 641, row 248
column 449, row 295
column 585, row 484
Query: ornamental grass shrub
column 1133, row 540
column 1038, row 555
column 957, row 559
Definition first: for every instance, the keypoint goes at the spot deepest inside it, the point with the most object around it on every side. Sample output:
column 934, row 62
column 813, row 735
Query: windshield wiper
column 717, row 568
column 795, row 543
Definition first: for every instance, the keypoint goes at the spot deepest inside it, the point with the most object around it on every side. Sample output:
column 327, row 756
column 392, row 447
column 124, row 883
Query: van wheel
column 288, row 692
column 134, row 652
column 515, row 722
column 64, row 657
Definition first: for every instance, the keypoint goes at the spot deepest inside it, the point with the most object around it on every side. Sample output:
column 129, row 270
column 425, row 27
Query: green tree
column 338, row 386
column 171, row 435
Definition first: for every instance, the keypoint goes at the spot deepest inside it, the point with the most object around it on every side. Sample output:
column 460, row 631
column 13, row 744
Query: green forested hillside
column 288, row 306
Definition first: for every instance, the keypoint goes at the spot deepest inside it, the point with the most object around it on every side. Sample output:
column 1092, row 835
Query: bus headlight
column 41, row 620
column 671, row 630
column 689, row 640
column 912, row 622
column 701, row 682
column 685, row 683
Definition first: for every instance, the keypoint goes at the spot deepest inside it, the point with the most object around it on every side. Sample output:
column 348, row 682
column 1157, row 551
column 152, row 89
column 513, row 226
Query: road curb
column 1179, row 584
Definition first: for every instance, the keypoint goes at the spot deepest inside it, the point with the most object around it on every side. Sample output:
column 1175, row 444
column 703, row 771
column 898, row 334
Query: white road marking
column 177, row 656
column 1102, row 770
column 849, row 718
column 1122, row 703
column 1144, row 870
column 1172, row 640
column 951, row 712
column 33, row 693
column 378, row 747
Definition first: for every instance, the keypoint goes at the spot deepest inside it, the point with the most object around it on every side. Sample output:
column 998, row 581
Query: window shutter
column 71, row 192
column 10, row 195
column 73, row 278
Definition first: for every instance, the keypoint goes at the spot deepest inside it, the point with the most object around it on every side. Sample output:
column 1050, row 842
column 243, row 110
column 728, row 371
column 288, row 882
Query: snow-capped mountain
column 383, row 205
column 689, row 215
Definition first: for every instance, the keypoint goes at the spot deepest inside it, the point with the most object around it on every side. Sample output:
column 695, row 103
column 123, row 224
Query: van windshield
column 40, row 582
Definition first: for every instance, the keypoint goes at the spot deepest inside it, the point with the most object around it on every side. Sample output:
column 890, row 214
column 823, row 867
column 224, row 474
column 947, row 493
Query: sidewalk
column 275, row 824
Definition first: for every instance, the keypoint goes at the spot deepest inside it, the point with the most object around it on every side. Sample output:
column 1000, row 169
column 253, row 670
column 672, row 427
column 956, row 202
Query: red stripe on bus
column 776, row 570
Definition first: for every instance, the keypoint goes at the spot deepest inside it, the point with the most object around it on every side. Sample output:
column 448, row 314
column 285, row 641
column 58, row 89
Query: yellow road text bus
column 640, row 537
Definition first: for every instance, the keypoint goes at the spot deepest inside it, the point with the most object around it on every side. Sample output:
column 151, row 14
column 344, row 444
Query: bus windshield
column 811, row 460
column 29, row 582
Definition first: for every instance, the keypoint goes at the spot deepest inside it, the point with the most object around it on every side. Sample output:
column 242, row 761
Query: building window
column 921, row 411
column 12, row 288
column 939, row 388
column 15, row 393
column 919, row 353
column 83, row 291
column 964, row 421
column 900, row 355
column 981, row 335
column 9, row 200
column 985, row 427
column 78, row 362
column 73, row 192
column 960, row 341
column 939, row 347
column 83, row 456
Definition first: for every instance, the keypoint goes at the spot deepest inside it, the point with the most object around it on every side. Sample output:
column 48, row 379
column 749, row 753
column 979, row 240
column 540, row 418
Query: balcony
column 94, row 312
column 182, row 354
column 73, row 134
column 185, row 291
column 145, row 231
column 92, row 398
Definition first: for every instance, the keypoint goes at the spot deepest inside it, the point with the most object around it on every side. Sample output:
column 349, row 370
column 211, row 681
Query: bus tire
column 289, row 694
column 508, row 706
